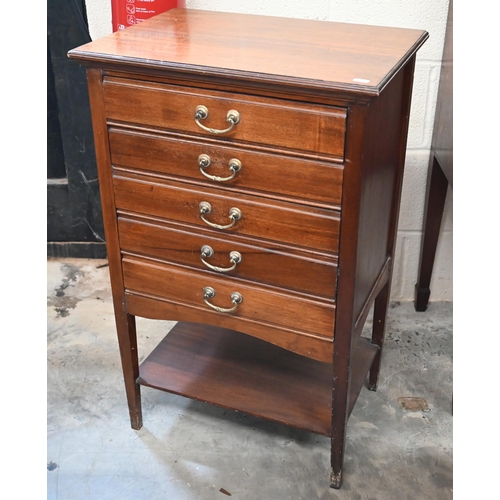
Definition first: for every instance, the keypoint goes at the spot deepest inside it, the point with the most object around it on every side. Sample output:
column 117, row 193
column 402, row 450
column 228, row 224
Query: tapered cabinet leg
column 127, row 340
column 337, row 456
column 340, row 405
column 335, row 478
column 378, row 333
column 437, row 186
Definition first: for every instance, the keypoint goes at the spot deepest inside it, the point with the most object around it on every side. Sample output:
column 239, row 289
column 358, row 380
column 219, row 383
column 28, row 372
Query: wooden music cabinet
column 250, row 170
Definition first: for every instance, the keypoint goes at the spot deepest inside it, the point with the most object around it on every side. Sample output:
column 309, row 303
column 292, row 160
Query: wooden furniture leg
column 127, row 340
column 435, row 197
column 125, row 323
column 340, row 402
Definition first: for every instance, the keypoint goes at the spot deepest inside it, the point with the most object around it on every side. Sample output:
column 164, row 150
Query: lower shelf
column 239, row 372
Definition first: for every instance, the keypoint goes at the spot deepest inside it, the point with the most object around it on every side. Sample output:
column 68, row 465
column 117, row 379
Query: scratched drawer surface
column 288, row 223
column 229, row 256
column 228, row 167
column 226, row 116
column 226, row 296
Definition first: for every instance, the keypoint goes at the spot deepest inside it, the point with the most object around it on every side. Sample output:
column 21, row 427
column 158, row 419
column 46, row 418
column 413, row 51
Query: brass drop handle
column 204, row 161
column 201, row 113
column 209, row 293
column 235, row 214
column 234, row 258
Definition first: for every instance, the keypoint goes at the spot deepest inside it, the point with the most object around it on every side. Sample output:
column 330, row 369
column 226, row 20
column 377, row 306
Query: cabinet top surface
column 359, row 58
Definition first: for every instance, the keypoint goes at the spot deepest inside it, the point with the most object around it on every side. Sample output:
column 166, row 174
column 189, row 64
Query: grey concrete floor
column 190, row 450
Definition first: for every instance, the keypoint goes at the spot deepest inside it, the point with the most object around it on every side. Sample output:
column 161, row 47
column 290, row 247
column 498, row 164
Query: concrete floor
column 189, row 450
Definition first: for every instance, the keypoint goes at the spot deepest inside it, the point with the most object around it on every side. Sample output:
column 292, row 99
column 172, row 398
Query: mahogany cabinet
column 250, row 170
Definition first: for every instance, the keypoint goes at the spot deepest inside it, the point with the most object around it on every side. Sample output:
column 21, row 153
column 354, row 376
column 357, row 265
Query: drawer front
column 269, row 264
column 259, row 305
column 269, row 122
column 314, row 228
column 268, row 173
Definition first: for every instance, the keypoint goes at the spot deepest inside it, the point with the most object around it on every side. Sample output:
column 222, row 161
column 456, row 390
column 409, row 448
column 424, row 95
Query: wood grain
column 125, row 323
column 236, row 371
column 262, row 121
column 293, row 340
column 260, row 48
column 267, row 264
column 259, row 304
column 262, row 174
column 313, row 228
column 381, row 175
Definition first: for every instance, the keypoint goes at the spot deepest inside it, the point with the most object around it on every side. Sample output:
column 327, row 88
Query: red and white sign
column 126, row 13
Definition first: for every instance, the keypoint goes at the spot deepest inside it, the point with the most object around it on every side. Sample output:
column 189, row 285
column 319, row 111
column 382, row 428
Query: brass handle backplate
column 209, row 293
column 201, row 113
column 204, row 161
column 234, row 258
column 235, row 214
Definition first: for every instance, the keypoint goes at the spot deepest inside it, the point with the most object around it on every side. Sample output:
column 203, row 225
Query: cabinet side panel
column 382, row 169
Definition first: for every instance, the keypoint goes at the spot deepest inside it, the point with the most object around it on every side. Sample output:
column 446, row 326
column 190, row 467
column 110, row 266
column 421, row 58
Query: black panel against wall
column 74, row 216
column 55, row 154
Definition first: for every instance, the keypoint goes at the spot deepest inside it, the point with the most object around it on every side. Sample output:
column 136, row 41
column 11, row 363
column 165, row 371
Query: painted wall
column 425, row 14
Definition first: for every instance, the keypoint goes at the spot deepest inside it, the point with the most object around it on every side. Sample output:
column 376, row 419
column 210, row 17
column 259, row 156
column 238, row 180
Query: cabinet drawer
column 269, row 122
column 268, row 173
column 259, row 304
column 269, row 264
column 310, row 227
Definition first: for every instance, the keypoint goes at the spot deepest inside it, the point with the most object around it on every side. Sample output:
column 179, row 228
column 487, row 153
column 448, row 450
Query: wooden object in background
column 440, row 173
column 282, row 140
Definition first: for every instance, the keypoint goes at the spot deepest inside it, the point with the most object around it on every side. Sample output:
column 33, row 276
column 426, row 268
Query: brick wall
column 423, row 14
